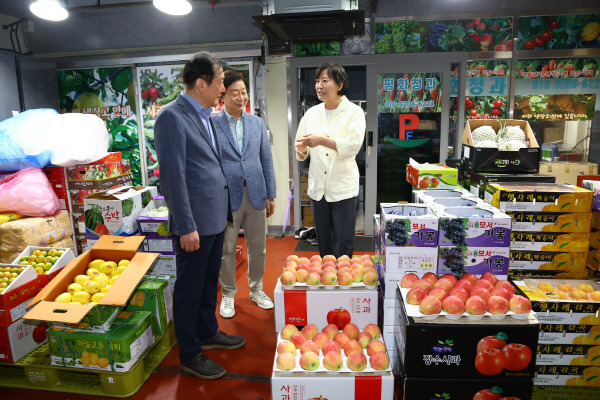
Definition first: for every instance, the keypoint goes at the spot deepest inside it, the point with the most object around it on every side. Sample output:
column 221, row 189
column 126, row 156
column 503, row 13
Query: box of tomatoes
column 431, row 176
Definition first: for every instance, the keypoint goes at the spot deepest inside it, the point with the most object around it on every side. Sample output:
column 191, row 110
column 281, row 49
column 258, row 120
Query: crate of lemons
column 42, row 260
column 8, row 273
column 92, row 286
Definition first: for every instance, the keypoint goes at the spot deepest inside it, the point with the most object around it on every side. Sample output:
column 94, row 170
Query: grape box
column 550, row 222
column 408, row 225
column 473, row 226
column 593, row 186
column 539, row 197
column 477, row 260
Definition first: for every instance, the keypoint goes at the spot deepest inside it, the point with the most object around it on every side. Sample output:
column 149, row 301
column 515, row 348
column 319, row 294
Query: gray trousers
column 335, row 224
column 255, row 232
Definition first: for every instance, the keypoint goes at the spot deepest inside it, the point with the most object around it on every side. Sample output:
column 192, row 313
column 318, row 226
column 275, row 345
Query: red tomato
column 495, row 112
column 553, row 25
column 468, row 102
column 498, row 104
column 552, row 65
column 490, row 361
column 473, row 113
column 518, row 356
column 529, row 45
column 340, row 317
column 539, row 42
column 153, row 92
column 547, row 36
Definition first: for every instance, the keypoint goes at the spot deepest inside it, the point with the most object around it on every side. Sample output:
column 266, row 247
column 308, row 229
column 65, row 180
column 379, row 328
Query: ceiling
column 20, row 8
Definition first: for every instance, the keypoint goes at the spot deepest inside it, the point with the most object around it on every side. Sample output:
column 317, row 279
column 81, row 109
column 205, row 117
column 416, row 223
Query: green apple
column 52, row 252
column 47, row 266
column 54, row 259
column 24, row 263
column 31, row 258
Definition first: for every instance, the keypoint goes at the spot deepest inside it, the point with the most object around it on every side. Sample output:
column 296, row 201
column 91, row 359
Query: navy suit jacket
column 254, row 163
column 192, row 179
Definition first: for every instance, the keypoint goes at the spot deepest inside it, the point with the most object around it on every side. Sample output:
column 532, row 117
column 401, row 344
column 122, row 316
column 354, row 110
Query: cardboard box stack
column 102, row 335
column 331, row 310
column 153, row 224
column 569, row 339
column 551, row 227
column 593, row 258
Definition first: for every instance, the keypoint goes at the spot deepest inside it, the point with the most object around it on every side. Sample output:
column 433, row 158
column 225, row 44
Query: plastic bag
column 35, row 138
column 72, row 139
column 28, row 192
column 17, row 132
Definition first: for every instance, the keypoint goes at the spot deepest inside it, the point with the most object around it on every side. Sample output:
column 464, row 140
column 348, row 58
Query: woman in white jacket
column 331, row 133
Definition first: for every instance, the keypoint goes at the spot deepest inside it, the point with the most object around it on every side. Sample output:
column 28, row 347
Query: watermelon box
column 91, row 316
column 154, row 226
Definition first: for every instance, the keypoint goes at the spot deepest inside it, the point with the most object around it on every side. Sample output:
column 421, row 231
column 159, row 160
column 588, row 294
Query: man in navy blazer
column 250, row 176
column 195, row 189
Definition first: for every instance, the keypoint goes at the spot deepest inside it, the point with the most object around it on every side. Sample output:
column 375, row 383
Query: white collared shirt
column 334, row 174
column 236, row 127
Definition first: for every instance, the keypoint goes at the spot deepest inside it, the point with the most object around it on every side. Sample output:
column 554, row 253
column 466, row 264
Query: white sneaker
column 227, row 307
column 261, row 299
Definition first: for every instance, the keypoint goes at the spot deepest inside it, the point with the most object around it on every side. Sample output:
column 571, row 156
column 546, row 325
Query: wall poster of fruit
column 474, row 34
column 407, row 93
column 159, row 85
column 486, row 91
column 562, row 107
column 109, row 93
column 574, row 31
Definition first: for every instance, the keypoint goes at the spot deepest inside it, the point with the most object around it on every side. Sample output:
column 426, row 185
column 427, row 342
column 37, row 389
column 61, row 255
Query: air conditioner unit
column 303, row 6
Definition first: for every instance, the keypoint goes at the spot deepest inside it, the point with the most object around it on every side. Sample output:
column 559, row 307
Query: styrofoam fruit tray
column 298, row 369
column 413, row 311
column 321, row 286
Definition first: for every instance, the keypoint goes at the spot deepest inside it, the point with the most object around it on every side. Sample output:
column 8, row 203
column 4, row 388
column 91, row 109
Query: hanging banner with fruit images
column 159, row 85
column 560, row 68
column 475, row 34
column 486, row 91
column 315, row 49
column 109, row 93
column 576, row 31
column 406, row 93
column 562, row 107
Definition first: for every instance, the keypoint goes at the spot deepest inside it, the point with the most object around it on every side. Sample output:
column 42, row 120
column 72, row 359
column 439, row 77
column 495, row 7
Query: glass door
column 407, row 117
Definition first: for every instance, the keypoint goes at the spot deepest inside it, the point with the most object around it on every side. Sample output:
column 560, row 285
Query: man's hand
column 190, row 242
column 270, row 207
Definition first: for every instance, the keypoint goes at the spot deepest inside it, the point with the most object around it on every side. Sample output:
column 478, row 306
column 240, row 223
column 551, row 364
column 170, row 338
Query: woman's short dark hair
column 232, row 76
column 201, row 65
column 337, row 73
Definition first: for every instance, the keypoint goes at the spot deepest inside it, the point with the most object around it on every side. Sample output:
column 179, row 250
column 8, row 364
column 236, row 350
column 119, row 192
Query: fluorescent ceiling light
column 49, row 9
column 173, row 7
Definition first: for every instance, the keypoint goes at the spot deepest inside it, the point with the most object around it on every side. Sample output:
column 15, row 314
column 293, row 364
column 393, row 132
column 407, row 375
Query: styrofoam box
column 298, row 305
column 391, row 311
column 402, row 260
column 423, row 196
column 344, row 386
column 63, row 260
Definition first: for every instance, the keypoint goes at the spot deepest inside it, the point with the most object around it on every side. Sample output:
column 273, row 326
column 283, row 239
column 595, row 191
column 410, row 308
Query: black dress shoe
column 203, row 367
column 223, row 341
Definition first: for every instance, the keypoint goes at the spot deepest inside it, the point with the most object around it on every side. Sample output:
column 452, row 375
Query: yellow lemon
column 91, row 287
column 123, row 263
column 101, row 279
column 97, row 297
column 81, row 279
column 74, row 287
column 88, row 99
column 112, row 280
column 92, row 272
column 118, row 271
column 104, row 288
column 107, row 267
column 96, row 263
column 63, row 298
column 82, row 297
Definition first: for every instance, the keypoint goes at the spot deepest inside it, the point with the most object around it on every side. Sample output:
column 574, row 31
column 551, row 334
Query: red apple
column 506, row 285
column 343, row 258
column 375, row 346
column 490, row 362
column 500, row 291
column 316, row 258
column 331, row 346
column 310, row 331
column 286, row 361
column 415, row 295
column 286, row 346
column 430, row 305
column 342, row 339
column 484, row 284
column 310, row 361
column 329, row 257
column 481, row 292
column 351, row 330
column 333, row 361
column 364, row 339
column 329, row 264
column 294, row 258
column 355, row 260
column 309, row 345
column 373, row 330
column 491, row 342
column 342, row 264
column 357, row 361
column 475, row 305
column 352, row 346
column 461, row 293
column 518, row 356
column 298, row 338
column 519, row 304
column 470, row 277
column 340, row 317
column 320, row 339
column 423, row 284
column 408, row 280
column 445, row 284
column 438, row 292
column 303, row 260
column 453, row 305
column 379, row 361
column 331, row 330
column 497, row 305
column 489, row 276
column 288, row 330
column 487, row 394
column 430, row 277
column 464, row 284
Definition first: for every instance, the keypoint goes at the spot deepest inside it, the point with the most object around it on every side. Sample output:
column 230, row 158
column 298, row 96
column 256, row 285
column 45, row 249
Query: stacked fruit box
column 551, row 227
column 409, row 243
column 569, row 341
column 473, row 344
column 334, row 351
column 593, row 258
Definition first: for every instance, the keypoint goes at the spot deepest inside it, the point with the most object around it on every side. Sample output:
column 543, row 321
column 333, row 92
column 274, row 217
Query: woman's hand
column 311, row 140
column 300, row 149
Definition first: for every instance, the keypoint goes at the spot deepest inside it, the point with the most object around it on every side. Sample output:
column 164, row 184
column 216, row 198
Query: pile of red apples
column 331, row 349
column 468, row 295
column 329, row 271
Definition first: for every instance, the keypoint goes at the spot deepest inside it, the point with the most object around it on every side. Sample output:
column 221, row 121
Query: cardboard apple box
column 20, row 338
column 16, row 296
column 304, row 306
column 63, row 260
column 431, row 176
column 440, row 388
column 108, row 248
column 332, row 387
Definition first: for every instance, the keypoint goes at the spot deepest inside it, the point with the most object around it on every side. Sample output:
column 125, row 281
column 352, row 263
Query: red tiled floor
column 248, row 369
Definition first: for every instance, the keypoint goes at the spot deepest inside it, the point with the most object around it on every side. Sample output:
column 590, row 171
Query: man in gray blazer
column 250, row 176
column 195, row 189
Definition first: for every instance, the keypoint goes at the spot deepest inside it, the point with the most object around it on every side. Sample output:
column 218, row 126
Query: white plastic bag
column 28, row 192
column 72, row 139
